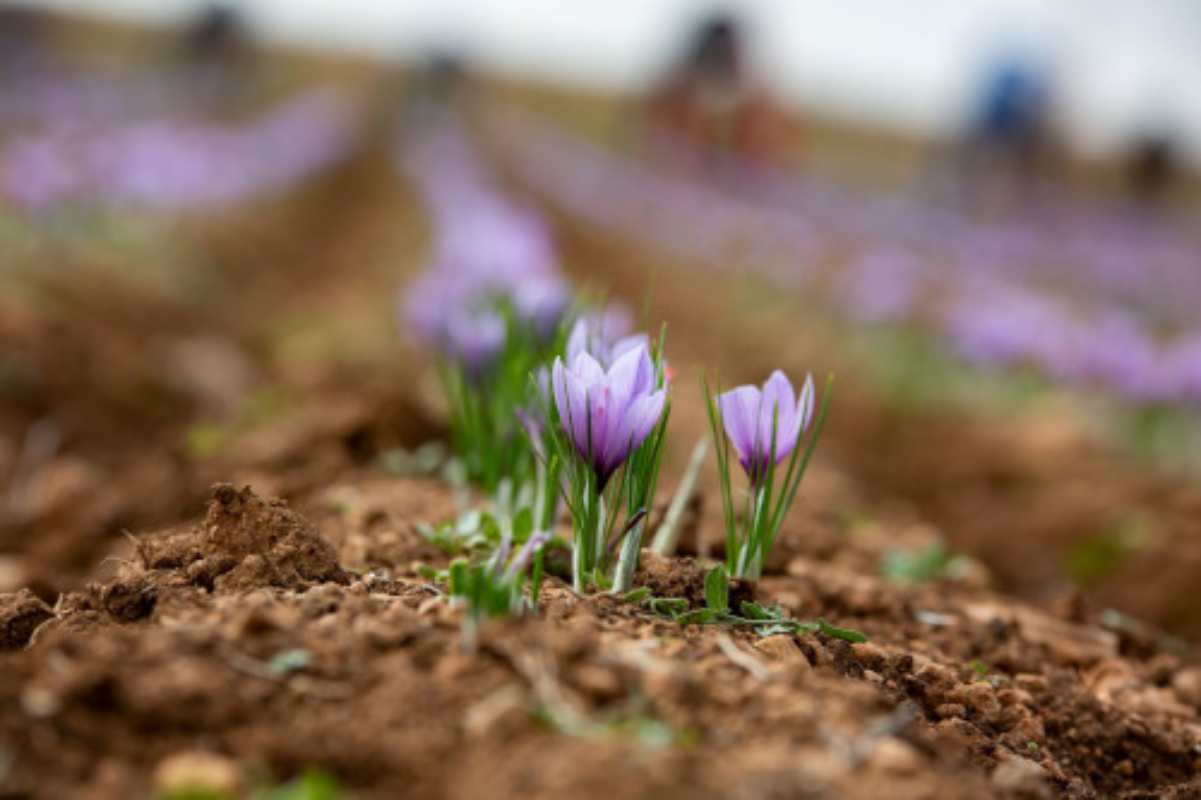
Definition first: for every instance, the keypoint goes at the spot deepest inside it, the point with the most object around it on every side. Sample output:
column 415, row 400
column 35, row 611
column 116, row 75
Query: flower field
column 351, row 449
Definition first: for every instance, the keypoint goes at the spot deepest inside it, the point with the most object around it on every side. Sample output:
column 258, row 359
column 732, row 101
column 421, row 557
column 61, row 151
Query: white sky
column 1120, row 64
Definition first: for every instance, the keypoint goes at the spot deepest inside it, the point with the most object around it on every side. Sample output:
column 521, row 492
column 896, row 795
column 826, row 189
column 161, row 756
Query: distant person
column 1151, row 169
column 218, row 58
column 216, row 35
column 709, row 101
column 435, row 89
column 1009, row 136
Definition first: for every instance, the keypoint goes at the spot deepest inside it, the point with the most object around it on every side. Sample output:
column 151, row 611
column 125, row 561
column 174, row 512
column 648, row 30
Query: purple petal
column 642, row 417
column 567, row 416
column 630, row 375
column 579, row 412
column 588, row 370
column 779, row 406
column 577, row 342
column 739, row 414
column 628, row 343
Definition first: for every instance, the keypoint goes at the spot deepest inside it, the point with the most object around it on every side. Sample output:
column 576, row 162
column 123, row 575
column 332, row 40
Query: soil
column 211, row 577
column 273, row 641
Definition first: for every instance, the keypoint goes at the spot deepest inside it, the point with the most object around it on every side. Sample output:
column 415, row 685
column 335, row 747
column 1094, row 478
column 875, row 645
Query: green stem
column 627, row 562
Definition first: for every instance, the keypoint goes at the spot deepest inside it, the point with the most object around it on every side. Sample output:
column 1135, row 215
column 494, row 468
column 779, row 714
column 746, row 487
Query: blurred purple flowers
column 1110, row 291
column 747, row 414
column 608, row 414
column 490, row 257
column 173, row 164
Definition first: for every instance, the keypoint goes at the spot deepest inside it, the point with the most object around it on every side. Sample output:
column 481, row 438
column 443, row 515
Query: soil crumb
column 20, row 615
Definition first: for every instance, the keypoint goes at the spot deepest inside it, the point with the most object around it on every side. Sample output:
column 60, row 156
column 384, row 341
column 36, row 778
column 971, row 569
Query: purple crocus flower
column 747, row 414
column 474, row 340
column 542, row 300
column 608, row 414
column 600, row 337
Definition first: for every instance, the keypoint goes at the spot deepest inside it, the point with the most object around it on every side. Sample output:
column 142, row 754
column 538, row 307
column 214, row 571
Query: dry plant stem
column 667, row 538
column 742, row 659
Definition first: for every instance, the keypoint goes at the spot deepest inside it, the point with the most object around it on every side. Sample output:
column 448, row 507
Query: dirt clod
column 20, row 615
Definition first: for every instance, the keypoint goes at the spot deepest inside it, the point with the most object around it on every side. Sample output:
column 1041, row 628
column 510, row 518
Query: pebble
column 197, row 773
column 1021, row 777
column 39, row 702
column 896, row 757
column 782, row 649
column 598, row 681
column 12, row 573
column 1187, row 685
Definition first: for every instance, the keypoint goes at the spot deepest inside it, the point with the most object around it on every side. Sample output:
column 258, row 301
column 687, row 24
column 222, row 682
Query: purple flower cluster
column 178, row 165
column 487, row 252
column 1120, row 277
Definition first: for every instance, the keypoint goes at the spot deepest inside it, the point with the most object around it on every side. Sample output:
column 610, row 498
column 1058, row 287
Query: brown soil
column 959, row 693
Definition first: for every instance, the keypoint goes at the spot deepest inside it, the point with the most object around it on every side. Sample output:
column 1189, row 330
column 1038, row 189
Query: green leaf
column 489, row 528
column 194, row 793
column 636, row 596
column 698, row 616
column 203, row 441
column 311, row 785
column 846, row 634
column 668, row 606
column 523, row 524
column 753, row 611
column 458, row 578
column 717, row 590
column 536, row 576
column 918, row 566
column 1096, row 557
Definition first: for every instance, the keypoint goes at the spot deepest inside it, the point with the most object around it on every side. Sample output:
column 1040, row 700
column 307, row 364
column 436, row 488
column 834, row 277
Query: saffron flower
column 764, row 426
column 608, row 414
column 757, row 419
column 606, row 418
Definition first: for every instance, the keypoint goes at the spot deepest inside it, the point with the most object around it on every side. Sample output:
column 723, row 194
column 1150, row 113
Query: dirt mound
column 245, row 542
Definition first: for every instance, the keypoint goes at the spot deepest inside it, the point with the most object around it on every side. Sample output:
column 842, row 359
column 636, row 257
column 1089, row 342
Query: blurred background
column 984, row 215
column 1119, row 70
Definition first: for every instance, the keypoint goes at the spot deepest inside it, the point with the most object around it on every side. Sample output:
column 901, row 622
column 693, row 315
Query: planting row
column 171, row 164
column 1087, row 294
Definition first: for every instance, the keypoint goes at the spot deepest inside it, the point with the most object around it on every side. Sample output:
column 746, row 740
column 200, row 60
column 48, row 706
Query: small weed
column 766, row 620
